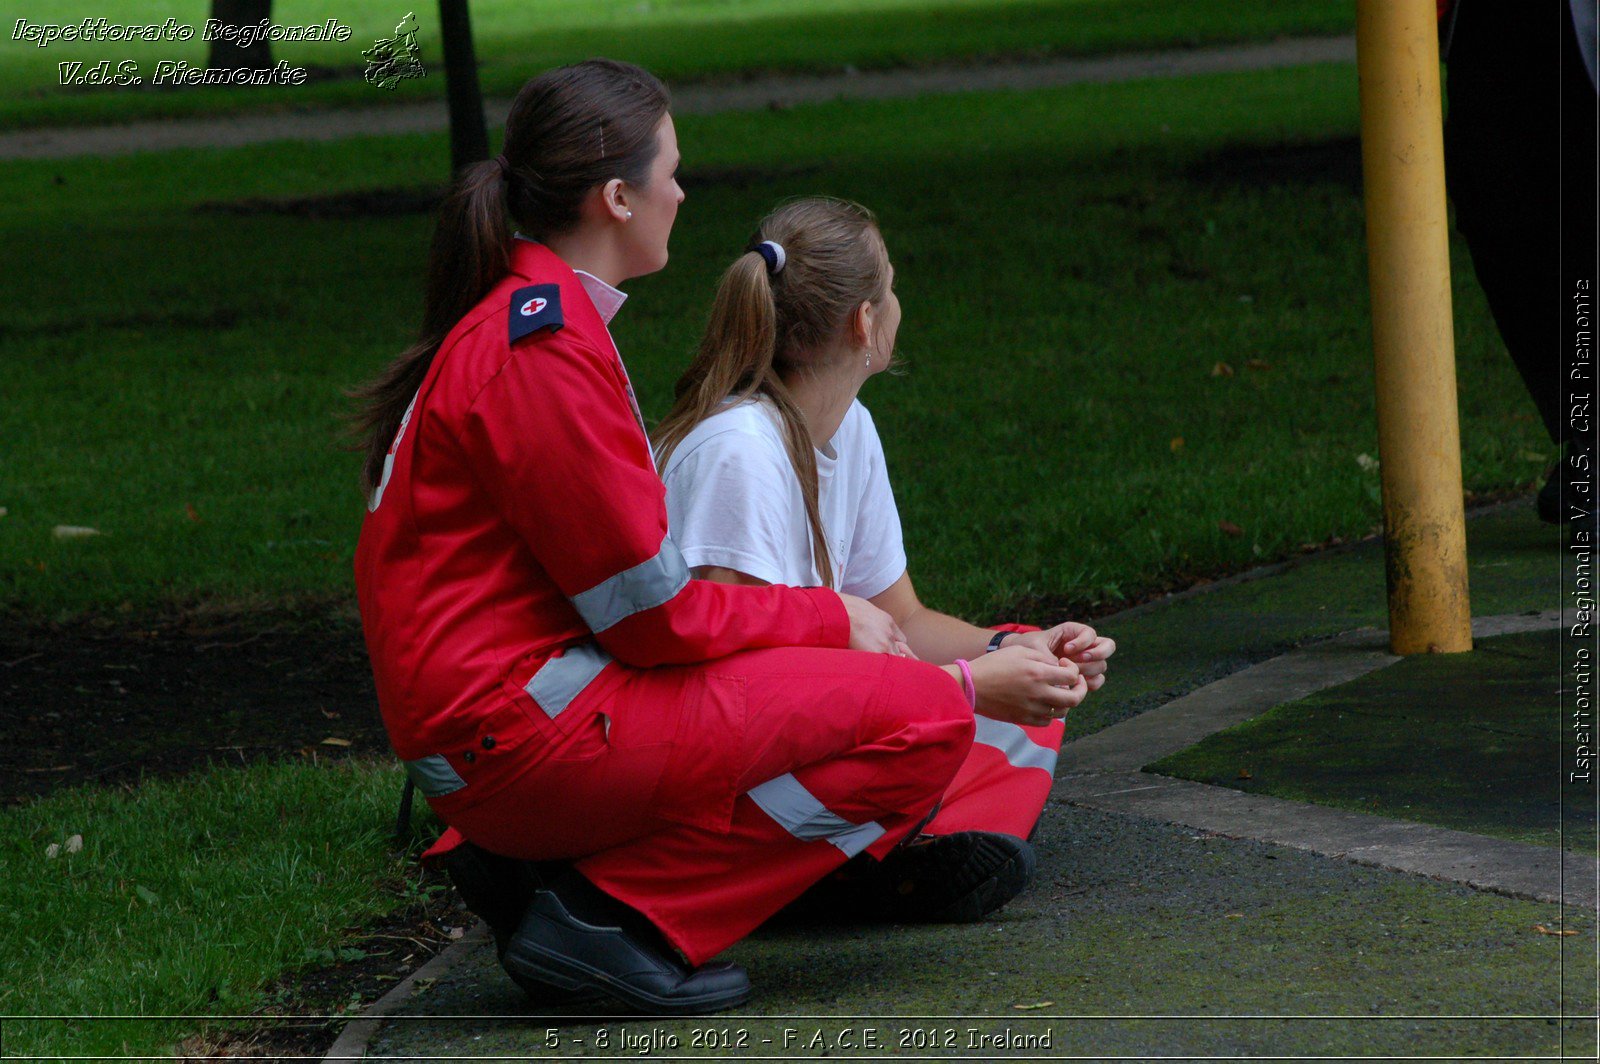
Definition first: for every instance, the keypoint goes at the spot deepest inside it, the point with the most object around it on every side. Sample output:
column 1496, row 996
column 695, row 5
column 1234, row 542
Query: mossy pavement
column 1142, row 939
column 1467, row 744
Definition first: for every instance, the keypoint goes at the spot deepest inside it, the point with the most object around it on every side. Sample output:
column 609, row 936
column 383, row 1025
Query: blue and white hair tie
column 772, row 251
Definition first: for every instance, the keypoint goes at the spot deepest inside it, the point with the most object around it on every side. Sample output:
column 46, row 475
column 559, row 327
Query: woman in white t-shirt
column 775, row 475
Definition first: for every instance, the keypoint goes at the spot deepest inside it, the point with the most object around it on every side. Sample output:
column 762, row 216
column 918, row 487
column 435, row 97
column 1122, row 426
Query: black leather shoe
column 554, row 952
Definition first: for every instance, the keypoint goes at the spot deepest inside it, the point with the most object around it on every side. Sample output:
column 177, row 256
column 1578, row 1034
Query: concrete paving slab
column 1517, row 869
column 1102, row 774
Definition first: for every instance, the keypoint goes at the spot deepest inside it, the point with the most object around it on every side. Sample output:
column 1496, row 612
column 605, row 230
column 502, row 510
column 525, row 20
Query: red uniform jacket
column 516, row 549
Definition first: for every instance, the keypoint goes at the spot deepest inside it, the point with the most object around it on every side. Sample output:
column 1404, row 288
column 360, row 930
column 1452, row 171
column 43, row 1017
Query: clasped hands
column 1034, row 678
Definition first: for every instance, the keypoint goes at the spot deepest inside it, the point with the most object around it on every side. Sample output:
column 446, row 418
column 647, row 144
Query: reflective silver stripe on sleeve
column 799, row 812
column 645, row 586
column 433, row 776
column 559, row 680
column 1013, row 742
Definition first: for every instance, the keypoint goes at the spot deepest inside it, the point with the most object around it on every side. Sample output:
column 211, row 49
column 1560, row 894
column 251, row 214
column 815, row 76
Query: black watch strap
column 994, row 644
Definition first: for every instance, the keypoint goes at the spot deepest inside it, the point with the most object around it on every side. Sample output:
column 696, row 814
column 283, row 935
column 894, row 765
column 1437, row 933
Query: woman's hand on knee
column 1026, row 685
column 874, row 630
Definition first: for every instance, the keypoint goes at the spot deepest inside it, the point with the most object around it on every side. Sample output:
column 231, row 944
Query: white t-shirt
column 733, row 500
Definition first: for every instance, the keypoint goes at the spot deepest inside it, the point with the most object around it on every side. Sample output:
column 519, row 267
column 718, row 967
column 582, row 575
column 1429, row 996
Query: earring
column 869, row 359
column 627, row 216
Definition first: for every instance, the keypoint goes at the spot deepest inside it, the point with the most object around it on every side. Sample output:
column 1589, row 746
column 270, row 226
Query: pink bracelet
column 966, row 682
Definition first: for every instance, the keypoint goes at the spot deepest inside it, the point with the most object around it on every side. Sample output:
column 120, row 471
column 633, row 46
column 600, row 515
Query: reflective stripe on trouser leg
column 1016, row 744
column 803, row 815
column 1004, row 782
column 903, row 729
column 706, row 890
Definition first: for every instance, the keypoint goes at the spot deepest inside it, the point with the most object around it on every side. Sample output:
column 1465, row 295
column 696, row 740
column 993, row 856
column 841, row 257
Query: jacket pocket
column 547, row 690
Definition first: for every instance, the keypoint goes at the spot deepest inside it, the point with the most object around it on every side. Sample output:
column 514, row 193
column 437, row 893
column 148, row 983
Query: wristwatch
column 994, row 644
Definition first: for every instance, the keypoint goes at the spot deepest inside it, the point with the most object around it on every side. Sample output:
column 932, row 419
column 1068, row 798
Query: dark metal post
column 469, row 134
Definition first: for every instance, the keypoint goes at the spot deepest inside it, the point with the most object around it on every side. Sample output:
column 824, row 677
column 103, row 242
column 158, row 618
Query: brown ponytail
column 568, row 130
column 763, row 325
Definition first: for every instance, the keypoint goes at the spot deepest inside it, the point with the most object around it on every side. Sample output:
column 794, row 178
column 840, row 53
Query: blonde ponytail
column 764, row 323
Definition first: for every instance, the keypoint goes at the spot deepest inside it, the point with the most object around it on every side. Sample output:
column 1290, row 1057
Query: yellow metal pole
column 1408, row 264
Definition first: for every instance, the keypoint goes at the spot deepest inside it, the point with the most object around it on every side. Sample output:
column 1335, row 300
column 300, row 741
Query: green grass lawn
column 682, row 40
column 1465, row 741
column 1071, row 276
column 187, row 898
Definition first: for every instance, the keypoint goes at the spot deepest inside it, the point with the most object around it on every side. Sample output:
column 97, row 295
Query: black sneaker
column 557, row 956
column 957, row 878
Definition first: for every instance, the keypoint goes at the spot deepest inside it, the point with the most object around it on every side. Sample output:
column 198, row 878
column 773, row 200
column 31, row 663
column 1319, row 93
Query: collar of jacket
column 535, row 262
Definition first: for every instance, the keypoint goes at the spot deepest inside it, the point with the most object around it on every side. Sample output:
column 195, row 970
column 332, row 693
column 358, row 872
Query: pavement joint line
column 703, row 99
column 1106, row 774
column 1128, row 790
column 356, row 1037
column 1179, row 724
column 1498, row 866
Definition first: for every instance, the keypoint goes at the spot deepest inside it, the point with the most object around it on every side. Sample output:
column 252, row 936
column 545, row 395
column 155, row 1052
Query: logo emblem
column 534, row 306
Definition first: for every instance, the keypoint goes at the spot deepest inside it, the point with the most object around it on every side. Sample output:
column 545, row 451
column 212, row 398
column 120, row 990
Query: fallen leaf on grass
column 1236, row 916
column 1035, row 1005
column 1245, row 775
column 193, row 514
column 146, row 895
column 1543, row 930
column 74, row 532
column 1367, row 462
column 1221, row 369
column 74, row 844
column 52, row 851
column 455, row 932
column 1230, row 529
column 3, row 511
column 1258, row 363
column 1176, row 444
column 335, row 741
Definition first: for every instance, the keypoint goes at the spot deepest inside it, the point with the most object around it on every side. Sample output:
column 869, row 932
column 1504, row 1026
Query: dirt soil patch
column 112, row 702
column 308, row 1009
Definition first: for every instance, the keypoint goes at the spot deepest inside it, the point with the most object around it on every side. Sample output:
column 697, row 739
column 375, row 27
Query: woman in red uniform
column 557, row 685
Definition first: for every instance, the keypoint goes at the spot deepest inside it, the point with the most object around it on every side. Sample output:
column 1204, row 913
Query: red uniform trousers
column 709, row 796
column 1005, row 780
